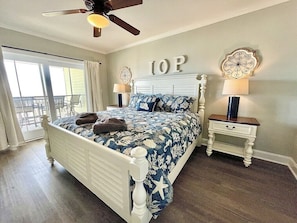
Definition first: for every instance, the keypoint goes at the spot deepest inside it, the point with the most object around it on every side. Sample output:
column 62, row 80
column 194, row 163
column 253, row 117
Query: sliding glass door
column 55, row 88
column 25, row 82
column 68, row 86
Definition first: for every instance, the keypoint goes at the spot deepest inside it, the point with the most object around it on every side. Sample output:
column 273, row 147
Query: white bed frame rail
column 106, row 172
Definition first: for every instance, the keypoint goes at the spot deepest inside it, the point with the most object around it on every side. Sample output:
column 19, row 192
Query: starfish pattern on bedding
column 160, row 185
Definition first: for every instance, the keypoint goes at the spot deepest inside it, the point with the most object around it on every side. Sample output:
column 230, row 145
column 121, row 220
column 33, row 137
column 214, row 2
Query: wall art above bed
column 164, row 65
column 241, row 63
column 126, row 75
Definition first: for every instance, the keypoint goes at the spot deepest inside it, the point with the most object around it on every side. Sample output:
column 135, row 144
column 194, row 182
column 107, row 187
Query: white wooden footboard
column 103, row 171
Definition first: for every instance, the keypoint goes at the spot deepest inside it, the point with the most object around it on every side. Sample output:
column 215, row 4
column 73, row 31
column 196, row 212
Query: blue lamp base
column 233, row 105
column 120, row 100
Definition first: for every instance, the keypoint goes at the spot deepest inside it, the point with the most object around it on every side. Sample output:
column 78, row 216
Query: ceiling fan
column 99, row 18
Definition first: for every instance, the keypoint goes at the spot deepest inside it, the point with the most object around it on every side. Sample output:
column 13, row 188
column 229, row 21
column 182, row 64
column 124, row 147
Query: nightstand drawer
column 231, row 127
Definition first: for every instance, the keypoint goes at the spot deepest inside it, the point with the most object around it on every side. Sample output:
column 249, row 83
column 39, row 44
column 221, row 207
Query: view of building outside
column 30, row 91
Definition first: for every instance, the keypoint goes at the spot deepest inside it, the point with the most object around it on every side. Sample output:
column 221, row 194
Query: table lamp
column 120, row 89
column 235, row 87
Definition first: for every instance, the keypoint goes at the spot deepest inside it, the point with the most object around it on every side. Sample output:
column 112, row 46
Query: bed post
column 201, row 104
column 132, row 87
column 138, row 171
column 44, row 124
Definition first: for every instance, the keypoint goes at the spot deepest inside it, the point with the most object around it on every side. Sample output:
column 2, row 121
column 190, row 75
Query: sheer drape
column 94, row 87
column 10, row 133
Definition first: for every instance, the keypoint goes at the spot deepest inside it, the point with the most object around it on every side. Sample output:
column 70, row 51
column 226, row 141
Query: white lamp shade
column 236, row 86
column 121, row 88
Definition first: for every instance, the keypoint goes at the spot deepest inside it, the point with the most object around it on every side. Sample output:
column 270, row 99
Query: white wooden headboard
column 193, row 85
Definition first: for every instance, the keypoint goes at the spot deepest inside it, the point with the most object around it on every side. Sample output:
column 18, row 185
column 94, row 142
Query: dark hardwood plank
column 209, row 189
column 220, row 189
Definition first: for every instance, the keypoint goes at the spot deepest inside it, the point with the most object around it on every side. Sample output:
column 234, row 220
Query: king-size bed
column 132, row 170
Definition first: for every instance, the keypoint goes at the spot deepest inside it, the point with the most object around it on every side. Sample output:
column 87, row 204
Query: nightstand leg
column 210, row 142
column 248, row 153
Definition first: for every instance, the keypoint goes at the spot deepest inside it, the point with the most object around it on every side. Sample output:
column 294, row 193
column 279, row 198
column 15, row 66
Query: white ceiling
column 154, row 18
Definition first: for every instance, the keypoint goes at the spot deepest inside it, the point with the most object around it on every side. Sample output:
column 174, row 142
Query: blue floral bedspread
column 165, row 135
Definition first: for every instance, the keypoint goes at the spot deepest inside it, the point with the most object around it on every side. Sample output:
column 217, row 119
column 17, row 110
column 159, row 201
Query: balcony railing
column 30, row 109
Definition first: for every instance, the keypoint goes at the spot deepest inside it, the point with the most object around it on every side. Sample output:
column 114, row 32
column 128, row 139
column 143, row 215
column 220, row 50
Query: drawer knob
column 230, row 127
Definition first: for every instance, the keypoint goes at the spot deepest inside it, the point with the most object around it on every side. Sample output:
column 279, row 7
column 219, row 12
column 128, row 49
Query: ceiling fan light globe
column 98, row 20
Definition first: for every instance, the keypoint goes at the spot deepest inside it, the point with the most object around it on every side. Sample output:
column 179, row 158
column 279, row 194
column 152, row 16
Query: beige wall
column 273, row 89
column 24, row 41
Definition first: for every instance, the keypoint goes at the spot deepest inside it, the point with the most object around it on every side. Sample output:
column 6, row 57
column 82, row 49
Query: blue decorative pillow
column 156, row 102
column 170, row 103
column 165, row 102
column 136, row 98
column 182, row 104
column 146, row 106
column 133, row 100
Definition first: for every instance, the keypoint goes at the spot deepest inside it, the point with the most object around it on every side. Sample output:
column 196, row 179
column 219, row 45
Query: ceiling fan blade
column 118, row 4
column 64, row 12
column 123, row 24
column 96, row 32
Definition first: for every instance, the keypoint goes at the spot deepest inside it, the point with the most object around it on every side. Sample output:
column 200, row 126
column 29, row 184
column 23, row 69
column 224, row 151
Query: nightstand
column 112, row 107
column 241, row 127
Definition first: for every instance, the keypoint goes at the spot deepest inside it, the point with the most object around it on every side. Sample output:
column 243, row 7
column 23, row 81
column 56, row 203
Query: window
column 43, row 84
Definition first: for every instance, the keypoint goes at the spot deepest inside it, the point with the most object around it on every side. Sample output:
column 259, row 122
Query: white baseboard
column 293, row 167
column 276, row 158
column 272, row 157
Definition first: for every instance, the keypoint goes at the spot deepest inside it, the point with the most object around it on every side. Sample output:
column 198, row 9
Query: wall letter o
column 163, row 66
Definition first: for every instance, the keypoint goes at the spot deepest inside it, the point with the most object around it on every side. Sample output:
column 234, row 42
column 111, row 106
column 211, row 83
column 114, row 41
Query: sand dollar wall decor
column 241, row 63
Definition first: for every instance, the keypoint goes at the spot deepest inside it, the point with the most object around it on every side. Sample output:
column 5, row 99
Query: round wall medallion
column 240, row 63
column 126, row 75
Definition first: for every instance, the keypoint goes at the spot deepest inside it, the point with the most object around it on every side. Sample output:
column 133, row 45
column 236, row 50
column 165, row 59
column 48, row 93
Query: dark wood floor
column 209, row 189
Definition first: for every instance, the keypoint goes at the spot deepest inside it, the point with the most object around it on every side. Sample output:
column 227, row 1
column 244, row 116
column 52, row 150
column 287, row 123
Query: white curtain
column 94, row 86
column 10, row 132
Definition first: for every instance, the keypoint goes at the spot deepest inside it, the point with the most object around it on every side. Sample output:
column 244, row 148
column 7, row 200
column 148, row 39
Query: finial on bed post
column 44, row 124
column 201, row 106
column 138, row 171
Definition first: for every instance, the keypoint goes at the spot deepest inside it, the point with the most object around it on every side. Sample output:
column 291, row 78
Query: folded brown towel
column 109, row 125
column 87, row 117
